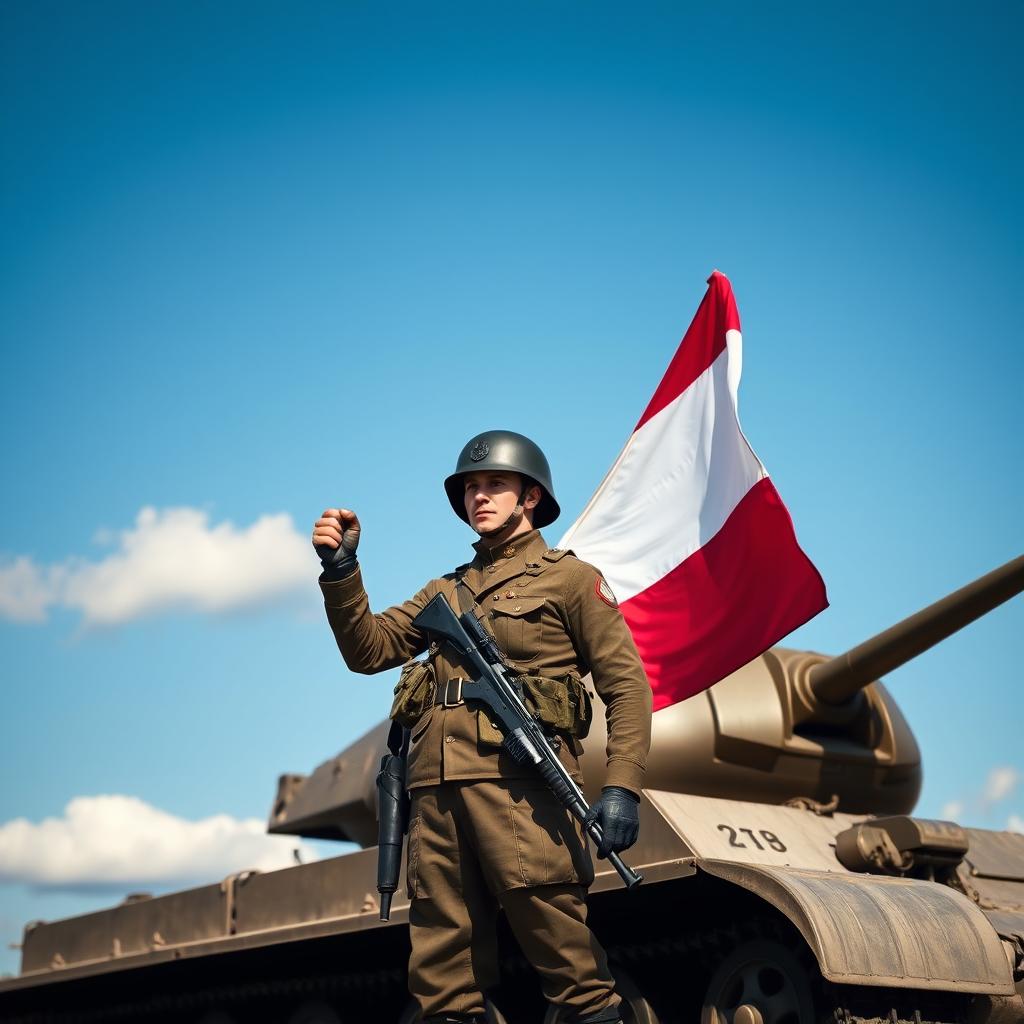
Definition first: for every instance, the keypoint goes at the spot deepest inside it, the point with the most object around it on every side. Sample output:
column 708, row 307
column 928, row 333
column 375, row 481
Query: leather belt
column 450, row 695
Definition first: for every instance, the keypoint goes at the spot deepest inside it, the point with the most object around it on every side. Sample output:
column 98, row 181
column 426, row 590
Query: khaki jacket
column 551, row 614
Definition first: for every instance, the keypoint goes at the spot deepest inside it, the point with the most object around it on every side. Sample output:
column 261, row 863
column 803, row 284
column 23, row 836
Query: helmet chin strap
column 513, row 520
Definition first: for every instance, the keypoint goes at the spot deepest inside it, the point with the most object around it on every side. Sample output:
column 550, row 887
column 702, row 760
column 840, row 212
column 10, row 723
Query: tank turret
column 790, row 725
column 797, row 724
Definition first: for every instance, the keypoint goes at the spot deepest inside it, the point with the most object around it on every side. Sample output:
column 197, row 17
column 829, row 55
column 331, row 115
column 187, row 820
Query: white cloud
column 121, row 841
column 977, row 808
column 25, row 592
column 1016, row 823
column 1000, row 783
column 171, row 559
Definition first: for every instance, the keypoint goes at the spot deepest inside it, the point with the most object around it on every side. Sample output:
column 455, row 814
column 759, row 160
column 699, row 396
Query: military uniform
column 484, row 830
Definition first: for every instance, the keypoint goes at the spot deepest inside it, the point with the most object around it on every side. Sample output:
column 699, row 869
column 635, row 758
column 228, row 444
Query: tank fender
column 877, row 930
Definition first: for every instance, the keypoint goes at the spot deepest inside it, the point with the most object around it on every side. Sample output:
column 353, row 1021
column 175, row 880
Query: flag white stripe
column 660, row 501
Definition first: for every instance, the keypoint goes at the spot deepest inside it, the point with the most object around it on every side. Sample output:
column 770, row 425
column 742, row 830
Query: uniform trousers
column 479, row 846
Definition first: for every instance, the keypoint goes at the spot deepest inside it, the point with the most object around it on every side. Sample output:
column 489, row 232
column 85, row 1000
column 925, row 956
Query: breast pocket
column 518, row 625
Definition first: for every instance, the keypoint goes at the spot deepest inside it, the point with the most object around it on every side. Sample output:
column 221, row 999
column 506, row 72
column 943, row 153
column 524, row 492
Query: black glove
column 617, row 811
column 340, row 561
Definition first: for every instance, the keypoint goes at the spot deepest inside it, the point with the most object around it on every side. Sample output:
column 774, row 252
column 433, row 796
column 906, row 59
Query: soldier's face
column 490, row 498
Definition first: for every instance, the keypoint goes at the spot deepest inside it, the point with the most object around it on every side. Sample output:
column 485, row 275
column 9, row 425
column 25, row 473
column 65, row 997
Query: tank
column 786, row 880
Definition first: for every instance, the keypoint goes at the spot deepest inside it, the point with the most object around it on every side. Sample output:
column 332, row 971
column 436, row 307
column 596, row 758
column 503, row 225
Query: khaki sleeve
column 369, row 642
column 606, row 646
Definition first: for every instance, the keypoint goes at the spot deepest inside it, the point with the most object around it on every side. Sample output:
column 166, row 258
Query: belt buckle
column 453, row 685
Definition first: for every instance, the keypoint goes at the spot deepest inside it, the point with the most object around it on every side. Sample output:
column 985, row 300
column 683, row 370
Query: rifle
column 392, row 816
column 496, row 686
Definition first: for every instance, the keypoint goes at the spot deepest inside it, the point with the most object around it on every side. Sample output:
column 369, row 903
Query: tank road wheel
column 635, row 1009
column 759, row 982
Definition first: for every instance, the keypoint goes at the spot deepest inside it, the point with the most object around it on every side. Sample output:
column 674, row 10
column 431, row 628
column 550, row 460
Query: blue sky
column 259, row 261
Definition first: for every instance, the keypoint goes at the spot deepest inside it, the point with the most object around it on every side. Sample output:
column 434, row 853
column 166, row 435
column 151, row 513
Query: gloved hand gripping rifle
column 495, row 685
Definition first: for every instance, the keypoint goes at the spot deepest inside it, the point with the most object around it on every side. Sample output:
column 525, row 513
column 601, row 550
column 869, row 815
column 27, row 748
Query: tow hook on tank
column 901, row 845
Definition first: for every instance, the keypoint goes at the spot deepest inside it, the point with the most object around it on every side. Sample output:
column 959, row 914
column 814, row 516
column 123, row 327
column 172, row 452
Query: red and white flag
column 687, row 528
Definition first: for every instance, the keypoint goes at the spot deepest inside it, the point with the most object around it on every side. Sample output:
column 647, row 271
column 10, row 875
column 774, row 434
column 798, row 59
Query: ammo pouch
column 561, row 704
column 414, row 693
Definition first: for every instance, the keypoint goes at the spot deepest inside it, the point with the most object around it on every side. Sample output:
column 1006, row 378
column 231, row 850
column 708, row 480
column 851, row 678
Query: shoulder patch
column 604, row 591
column 554, row 554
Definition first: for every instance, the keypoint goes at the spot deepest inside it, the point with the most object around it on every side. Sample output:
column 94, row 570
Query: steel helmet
column 504, row 449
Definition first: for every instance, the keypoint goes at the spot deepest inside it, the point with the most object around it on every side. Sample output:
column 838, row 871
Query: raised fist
column 336, row 537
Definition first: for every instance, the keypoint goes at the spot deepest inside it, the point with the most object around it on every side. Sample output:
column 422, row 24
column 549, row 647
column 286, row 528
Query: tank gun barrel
column 836, row 681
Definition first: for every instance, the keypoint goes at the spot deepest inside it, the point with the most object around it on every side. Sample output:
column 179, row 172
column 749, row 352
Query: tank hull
column 711, row 867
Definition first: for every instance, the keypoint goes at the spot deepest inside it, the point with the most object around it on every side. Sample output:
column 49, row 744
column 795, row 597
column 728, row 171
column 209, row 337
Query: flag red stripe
column 701, row 345
column 743, row 591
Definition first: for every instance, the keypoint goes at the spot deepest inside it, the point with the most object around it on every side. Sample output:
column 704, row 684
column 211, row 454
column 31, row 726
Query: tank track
column 895, row 1016
column 191, row 1004
column 838, row 1004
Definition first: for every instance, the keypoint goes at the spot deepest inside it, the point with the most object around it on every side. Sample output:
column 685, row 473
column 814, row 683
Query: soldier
column 484, row 832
